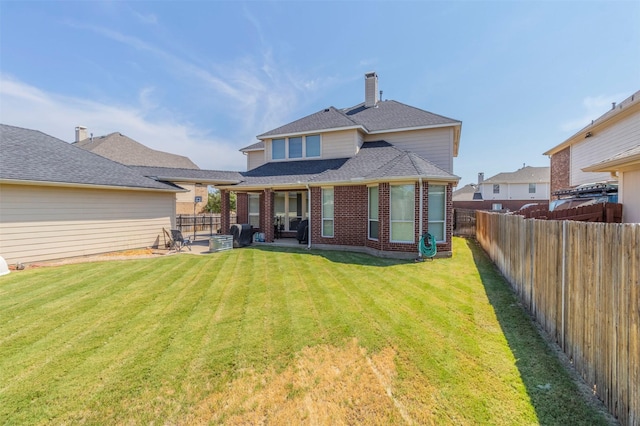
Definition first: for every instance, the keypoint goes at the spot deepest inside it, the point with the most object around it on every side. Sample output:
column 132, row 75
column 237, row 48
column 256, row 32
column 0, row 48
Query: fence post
column 564, row 266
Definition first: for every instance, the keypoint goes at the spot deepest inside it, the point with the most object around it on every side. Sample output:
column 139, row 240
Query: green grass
column 152, row 340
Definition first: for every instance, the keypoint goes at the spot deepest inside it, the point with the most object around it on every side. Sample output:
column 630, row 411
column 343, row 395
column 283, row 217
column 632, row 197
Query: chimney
column 370, row 89
column 81, row 133
column 480, row 178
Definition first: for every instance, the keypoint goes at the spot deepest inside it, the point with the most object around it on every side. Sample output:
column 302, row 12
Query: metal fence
column 211, row 223
column 581, row 282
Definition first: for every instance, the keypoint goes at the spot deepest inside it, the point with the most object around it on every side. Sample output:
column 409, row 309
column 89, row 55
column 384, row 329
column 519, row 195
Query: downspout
column 420, row 219
column 309, row 216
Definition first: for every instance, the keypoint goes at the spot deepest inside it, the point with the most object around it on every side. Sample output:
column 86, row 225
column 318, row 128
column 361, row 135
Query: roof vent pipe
column 613, row 105
column 370, row 89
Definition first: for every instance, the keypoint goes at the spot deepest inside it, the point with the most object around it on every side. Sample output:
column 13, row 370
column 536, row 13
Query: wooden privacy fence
column 581, row 281
column 464, row 222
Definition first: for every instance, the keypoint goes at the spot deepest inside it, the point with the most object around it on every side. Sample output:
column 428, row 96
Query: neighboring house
column 464, row 195
column 61, row 201
column 373, row 177
column 606, row 150
column 124, row 150
column 507, row 191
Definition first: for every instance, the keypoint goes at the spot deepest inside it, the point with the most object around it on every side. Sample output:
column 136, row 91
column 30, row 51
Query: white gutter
column 86, row 185
column 420, row 220
column 309, row 217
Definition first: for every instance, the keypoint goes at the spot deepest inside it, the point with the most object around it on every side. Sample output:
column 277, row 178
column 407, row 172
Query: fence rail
column 190, row 224
column 581, row 282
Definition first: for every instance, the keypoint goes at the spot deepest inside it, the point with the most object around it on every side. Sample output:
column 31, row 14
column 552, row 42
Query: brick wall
column 242, row 207
column 560, row 169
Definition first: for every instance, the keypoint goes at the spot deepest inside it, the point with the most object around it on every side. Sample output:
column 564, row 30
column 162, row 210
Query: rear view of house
column 373, row 177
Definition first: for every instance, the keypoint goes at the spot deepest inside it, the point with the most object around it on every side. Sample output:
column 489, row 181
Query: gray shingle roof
column 124, row 150
column 254, row 147
column 210, row 177
column 375, row 161
column 328, row 118
column 386, row 115
column 30, row 155
column 526, row 174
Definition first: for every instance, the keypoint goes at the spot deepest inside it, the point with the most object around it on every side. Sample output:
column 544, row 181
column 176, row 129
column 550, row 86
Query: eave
column 85, row 186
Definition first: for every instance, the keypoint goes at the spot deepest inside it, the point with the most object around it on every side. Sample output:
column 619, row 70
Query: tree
column 214, row 203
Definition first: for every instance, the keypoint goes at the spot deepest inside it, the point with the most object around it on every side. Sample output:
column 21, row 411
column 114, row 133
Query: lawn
column 271, row 335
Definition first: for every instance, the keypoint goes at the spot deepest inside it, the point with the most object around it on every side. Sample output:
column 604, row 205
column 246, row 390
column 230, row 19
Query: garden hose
column 428, row 245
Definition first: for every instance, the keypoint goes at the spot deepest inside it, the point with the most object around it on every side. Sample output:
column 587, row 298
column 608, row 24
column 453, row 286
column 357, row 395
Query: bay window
column 402, row 213
column 327, row 212
column 437, row 211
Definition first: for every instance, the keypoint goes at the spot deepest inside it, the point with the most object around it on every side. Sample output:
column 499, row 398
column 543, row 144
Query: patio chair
column 178, row 241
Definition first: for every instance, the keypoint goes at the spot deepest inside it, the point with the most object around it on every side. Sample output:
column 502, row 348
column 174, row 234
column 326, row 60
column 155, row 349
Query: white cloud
column 593, row 108
column 29, row 107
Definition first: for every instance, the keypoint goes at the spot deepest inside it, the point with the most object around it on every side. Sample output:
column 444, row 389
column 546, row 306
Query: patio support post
column 268, row 212
column 225, row 212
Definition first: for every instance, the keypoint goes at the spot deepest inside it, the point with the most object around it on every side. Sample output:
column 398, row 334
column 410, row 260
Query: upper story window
column 296, row 147
column 278, row 149
column 532, row 188
column 496, row 188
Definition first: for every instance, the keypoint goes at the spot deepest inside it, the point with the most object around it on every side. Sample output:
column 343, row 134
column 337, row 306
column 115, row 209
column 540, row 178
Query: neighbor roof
column 526, row 174
column 465, row 193
column 118, row 147
column 375, row 161
column 385, row 116
column 32, row 156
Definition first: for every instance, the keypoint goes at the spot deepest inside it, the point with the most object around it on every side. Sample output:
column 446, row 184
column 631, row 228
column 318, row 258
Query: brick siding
column 242, row 207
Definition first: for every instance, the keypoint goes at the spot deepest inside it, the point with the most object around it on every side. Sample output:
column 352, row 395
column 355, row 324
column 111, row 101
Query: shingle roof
column 124, row 150
column 465, row 193
column 375, row 161
column 258, row 146
column 328, row 118
column 526, row 174
column 30, row 155
column 210, row 177
column 386, row 115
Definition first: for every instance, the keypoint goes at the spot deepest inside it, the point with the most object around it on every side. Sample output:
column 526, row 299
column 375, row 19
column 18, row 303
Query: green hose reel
column 427, row 245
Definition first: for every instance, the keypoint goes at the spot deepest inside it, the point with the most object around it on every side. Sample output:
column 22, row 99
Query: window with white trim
column 327, row 212
column 402, row 213
column 373, row 212
column 254, row 210
column 532, row 188
column 437, row 211
column 496, row 188
column 296, row 147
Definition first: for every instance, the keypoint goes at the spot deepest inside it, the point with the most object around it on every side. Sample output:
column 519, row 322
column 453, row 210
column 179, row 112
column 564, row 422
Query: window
column 437, row 211
column 373, row 212
column 327, row 212
column 402, row 213
column 532, row 188
column 313, row 146
column 496, row 206
column 254, row 210
column 496, row 188
column 296, row 147
column 289, row 209
column 278, row 149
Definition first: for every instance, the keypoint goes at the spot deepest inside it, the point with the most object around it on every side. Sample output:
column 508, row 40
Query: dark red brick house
column 373, row 177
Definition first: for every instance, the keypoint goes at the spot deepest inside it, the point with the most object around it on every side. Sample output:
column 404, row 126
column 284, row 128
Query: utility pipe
column 309, row 216
column 420, row 219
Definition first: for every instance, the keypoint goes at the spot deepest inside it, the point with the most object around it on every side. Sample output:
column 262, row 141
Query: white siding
column 340, row 144
column 630, row 196
column 604, row 144
column 255, row 159
column 435, row 145
column 515, row 191
column 186, row 197
column 43, row 223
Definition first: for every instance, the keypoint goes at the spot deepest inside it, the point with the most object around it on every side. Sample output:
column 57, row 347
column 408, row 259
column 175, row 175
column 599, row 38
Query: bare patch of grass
column 324, row 385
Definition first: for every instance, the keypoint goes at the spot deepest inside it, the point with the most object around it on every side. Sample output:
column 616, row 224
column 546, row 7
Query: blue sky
column 203, row 78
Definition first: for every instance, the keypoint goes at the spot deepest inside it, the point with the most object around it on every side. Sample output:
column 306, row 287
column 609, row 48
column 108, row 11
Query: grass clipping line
column 324, row 385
